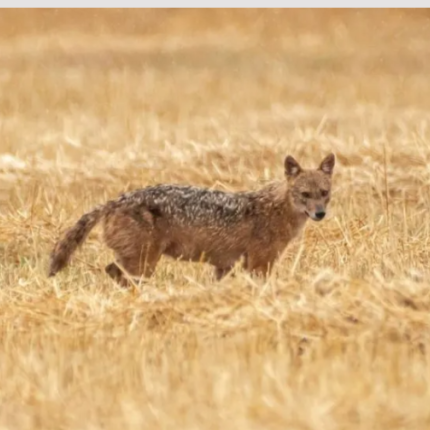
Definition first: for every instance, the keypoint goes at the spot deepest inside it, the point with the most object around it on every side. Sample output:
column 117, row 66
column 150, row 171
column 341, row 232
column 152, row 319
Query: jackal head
column 310, row 190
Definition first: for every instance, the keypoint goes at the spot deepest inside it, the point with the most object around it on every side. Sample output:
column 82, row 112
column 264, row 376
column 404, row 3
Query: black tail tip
column 55, row 265
column 53, row 270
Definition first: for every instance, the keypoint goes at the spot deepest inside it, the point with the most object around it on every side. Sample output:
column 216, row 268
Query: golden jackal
column 198, row 224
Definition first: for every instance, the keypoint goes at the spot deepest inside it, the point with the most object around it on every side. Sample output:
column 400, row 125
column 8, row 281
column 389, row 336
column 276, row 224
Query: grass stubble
column 93, row 104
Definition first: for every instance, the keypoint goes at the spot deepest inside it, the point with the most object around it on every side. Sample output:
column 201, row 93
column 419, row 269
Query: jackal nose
column 319, row 215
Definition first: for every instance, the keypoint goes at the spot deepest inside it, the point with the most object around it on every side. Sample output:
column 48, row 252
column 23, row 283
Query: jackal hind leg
column 131, row 237
column 117, row 275
column 136, row 265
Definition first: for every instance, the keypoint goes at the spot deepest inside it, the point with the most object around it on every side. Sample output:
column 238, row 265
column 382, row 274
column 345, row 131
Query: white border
column 219, row 4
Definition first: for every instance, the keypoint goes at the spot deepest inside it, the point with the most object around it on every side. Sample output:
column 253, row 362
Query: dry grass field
column 94, row 103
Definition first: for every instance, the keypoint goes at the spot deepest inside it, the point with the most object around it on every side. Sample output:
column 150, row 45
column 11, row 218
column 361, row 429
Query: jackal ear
column 292, row 168
column 327, row 165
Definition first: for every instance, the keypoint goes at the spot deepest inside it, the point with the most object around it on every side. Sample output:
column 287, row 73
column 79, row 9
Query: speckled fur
column 198, row 224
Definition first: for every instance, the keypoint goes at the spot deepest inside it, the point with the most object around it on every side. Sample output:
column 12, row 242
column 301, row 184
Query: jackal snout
column 315, row 207
column 316, row 215
column 310, row 189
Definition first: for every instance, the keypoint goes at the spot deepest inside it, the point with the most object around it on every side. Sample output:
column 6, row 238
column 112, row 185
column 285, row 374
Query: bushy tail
column 72, row 239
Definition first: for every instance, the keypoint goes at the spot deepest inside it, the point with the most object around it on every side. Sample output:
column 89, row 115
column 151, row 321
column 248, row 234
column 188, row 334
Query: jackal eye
column 324, row 193
column 306, row 195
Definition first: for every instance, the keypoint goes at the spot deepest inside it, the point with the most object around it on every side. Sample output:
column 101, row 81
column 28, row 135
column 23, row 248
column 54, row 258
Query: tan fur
column 198, row 224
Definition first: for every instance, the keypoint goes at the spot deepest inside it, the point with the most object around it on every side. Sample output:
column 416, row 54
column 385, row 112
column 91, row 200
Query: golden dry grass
column 94, row 103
